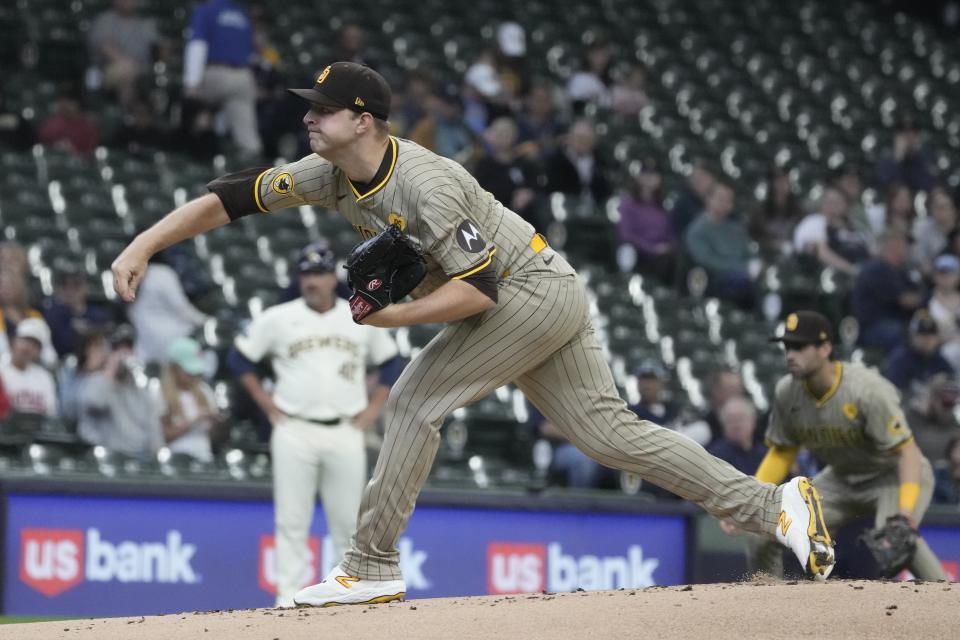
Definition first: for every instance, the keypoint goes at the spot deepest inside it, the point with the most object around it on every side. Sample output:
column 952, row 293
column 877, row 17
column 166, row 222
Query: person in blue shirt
column 884, row 295
column 737, row 445
column 68, row 313
column 216, row 68
column 910, row 366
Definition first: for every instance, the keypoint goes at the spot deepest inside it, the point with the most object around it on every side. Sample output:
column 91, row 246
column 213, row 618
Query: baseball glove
column 892, row 545
column 382, row 270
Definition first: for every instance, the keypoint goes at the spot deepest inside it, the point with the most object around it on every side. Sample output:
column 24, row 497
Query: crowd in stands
column 891, row 230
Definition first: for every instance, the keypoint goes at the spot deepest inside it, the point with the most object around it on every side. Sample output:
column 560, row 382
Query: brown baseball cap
column 348, row 85
column 805, row 327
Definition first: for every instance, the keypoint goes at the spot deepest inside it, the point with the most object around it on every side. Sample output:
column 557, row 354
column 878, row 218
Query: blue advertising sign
column 945, row 542
column 102, row 556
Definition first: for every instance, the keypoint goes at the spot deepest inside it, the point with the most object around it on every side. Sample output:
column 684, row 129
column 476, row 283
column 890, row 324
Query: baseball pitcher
column 515, row 312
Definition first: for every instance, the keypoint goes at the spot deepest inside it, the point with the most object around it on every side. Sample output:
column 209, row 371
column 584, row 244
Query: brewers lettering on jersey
column 850, row 418
column 516, row 312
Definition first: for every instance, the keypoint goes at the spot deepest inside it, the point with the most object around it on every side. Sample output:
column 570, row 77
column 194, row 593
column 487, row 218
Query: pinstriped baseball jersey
column 538, row 336
column 856, row 427
column 438, row 205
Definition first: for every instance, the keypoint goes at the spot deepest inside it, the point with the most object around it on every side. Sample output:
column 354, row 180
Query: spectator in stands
column 507, row 175
column 115, row 407
column 512, row 64
column 828, row 237
column 413, row 102
column 722, row 385
column 578, row 470
column 577, row 168
column 70, row 129
column 123, row 45
column 4, row 401
column 91, row 345
column 930, row 233
column 738, row 445
column 895, row 212
column 591, row 83
column 216, row 68
column 644, row 225
column 68, row 313
column 657, row 408
column 485, row 97
column 161, row 313
column 944, row 305
column 442, row 130
column 848, row 180
column 947, row 476
column 539, row 123
column 628, row 97
column 719, row 242
column 772, row 220
column 352, row 46
column 13, row 259
column 907, row 162
column 911, row 365
column 884, row 294
column 14, row 309
column 689, row 202
column 16, row 131
column 188, row 407
column 29, row 387
column 932, row 417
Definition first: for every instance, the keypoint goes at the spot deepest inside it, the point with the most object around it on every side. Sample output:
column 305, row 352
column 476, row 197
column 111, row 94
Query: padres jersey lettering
column 856, row 426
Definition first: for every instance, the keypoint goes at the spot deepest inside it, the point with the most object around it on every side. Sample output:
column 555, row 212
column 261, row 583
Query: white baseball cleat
column 341, row 588
column 801, row 528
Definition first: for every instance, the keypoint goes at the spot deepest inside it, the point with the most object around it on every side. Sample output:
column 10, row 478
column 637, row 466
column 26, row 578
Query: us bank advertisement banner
column 102, row 556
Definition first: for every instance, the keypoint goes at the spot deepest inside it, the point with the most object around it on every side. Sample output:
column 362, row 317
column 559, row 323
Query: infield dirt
column 759, row 609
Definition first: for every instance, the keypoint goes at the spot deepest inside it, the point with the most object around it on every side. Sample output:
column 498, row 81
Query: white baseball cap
column 34, row 328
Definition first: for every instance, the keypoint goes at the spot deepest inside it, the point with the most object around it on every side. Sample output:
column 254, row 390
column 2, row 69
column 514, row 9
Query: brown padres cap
column 805, row 326
column 348, row 85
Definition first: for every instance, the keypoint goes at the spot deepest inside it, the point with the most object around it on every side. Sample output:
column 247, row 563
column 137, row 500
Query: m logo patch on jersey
column 468, row 237
column 850, row 410
column 397, row 220
column 283, row 183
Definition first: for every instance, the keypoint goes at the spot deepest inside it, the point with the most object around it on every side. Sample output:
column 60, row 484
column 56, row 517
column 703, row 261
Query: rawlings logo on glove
column 382, row 270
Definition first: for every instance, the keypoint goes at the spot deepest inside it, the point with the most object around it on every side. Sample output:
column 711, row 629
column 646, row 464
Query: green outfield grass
column 19, row 619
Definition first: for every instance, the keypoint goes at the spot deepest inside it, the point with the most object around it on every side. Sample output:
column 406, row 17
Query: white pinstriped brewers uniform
column 320, row 361
column 538, row 336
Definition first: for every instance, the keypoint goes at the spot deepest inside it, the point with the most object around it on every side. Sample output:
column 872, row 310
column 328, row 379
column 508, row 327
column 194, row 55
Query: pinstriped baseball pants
column 540, row 338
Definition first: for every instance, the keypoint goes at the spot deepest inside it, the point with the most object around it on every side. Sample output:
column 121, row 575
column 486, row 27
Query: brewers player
column 850, row 418
column 516, row 312
column 318, row 410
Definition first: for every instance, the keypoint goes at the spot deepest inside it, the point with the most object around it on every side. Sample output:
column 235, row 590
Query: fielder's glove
column 892, row 545
column 382, row 270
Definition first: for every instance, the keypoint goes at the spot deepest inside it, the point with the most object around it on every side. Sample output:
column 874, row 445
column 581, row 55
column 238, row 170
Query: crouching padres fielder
column 318, row 410
column 516, row 312
column 850, row 418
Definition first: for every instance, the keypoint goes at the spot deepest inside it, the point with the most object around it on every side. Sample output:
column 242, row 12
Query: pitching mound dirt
column 745, row 610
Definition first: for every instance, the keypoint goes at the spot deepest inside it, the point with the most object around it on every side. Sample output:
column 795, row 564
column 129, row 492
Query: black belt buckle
column 326, row 423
